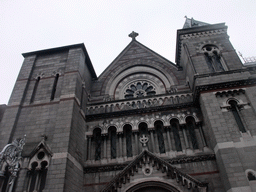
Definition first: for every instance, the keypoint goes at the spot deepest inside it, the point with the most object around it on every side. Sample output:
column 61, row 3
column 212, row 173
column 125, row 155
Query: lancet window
column 35, row 89
column 36, row 176
column 213, row 58
column 54, row 87
column 128, row 137
column 251, row 176
column 159, row 131
column 143, row 129
column 235, row 110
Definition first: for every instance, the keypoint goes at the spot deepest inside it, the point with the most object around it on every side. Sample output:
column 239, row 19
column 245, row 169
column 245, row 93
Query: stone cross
column 133, row 35
column 144, row 140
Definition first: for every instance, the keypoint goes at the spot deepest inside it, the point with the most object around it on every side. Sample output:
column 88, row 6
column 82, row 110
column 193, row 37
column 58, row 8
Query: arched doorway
column 152, row 186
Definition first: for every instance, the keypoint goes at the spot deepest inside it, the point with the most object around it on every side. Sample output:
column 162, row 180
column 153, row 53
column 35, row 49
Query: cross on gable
column 133, row 35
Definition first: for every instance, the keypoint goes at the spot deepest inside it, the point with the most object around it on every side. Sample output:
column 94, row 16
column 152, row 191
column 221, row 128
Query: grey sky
column 103, row 26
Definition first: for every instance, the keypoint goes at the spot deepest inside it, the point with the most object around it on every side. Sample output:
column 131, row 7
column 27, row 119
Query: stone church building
column 145, row 124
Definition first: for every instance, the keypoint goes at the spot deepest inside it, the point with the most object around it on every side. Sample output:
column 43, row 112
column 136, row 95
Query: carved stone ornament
column 144, row 140
column 11, row 155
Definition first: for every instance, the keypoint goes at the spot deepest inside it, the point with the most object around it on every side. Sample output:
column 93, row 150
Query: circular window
column 139, row 89
column 40, row 155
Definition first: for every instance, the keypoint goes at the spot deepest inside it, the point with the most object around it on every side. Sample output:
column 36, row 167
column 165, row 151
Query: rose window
column 139, row 89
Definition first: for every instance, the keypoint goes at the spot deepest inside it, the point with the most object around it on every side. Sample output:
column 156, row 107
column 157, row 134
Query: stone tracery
column 139, row 89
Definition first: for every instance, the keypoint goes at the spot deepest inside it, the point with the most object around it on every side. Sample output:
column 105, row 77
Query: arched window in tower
column 128, row 136
column 35, row 89
column 54, row 87
column 97, row 141
column 159, row 131
column 175, row 129
column 235, row 110
column 139, row 89
column 251, row 176
column 112, row 137
column 190, row 122
column 213, row 58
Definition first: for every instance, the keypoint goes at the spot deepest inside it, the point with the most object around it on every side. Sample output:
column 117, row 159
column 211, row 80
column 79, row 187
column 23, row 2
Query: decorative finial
column 44, row 138
column 133, row 35
column 186, row 16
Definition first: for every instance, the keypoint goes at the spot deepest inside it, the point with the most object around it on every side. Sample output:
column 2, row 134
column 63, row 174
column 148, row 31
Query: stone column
column 136, row 142
column 105, row 137
column 169, row 138
column 120, row 134
column 152, row 140
column 201, row 134
column 205, row 147
column 185, row 136
column 89, row 146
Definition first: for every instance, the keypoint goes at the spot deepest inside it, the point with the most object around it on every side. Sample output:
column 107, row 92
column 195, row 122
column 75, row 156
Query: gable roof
column 134, row 42
column 30, row 149
column 146, row 157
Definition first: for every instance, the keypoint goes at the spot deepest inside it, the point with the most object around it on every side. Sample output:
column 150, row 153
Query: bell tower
column 222, row 86
column 203, row 50
column 49, row 100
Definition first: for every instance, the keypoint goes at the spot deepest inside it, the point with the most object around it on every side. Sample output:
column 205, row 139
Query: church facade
column 144, row 124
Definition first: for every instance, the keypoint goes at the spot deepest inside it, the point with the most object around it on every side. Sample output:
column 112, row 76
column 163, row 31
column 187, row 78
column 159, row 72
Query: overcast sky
column 103, row 26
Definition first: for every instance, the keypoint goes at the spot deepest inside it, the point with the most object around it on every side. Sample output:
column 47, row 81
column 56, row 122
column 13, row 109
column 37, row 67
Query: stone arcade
column 145, row 124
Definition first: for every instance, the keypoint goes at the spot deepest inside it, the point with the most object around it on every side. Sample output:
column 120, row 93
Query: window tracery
column 139, row 89
column 213, row 58
column 38, row 166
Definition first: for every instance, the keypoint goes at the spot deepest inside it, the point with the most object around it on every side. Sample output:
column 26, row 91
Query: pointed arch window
column 159, row 131
column 97, row 141
column 175, row 130
column 35, row 89
column 235, row 111
column 128, row 136
column 251, row 176
column 54, row 87
column 213, row 58
column 36, row 176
